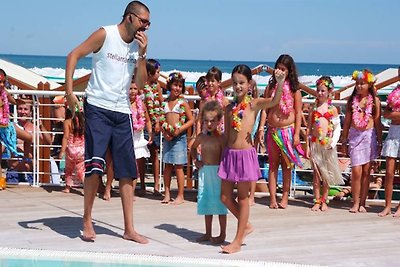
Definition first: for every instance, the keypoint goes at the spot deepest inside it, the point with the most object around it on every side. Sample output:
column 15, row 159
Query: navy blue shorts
column 109, row 129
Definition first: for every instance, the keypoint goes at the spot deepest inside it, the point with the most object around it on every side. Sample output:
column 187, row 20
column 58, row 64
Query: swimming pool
column 48, row 258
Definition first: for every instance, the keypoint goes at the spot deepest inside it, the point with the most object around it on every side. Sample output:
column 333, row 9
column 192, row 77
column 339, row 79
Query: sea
column 53, row 68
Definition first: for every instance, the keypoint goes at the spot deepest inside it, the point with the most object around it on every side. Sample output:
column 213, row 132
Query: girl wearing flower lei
column 362, row 133
column 175, row 118
column 283, row 133
column 324, row 132
column 140, row 121
column 153, row 98
column 8, row 136
column 391, row 148
column 213, row 92
column 239, row 165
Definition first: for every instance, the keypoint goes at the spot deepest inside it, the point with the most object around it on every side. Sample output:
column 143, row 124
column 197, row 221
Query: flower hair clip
column 365, row 75
column 328, row 84
column 175, row 75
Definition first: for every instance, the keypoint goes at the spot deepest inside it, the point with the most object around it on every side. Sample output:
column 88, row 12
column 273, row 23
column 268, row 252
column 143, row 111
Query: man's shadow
column 65, row 225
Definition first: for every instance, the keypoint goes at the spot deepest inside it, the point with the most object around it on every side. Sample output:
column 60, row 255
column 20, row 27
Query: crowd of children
column 225, row 139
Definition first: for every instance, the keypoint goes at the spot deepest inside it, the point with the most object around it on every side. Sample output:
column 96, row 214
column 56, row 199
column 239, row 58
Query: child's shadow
column 65, row 225
column 187, row 234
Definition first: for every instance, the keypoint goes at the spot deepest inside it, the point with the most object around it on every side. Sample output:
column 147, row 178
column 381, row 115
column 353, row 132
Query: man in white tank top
column 117, row 51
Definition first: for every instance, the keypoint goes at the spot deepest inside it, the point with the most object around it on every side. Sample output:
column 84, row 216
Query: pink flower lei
column 287, row 101
column 361, row 121
column 393, row 99
column 138, row 114
column 219, row 96
column 4, row 110
column 182, row 116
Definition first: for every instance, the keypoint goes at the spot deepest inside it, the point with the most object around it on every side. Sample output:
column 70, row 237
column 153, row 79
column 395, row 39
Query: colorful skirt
column 282, row 139
column 209, row 192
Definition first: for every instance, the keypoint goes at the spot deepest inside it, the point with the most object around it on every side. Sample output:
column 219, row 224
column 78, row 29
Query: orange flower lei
column 237, row 111
column 316, row 116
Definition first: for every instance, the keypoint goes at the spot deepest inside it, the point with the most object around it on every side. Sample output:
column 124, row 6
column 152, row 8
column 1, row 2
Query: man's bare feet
column 218, row 240
column 316, row 207
column 134, row 236
column 231, row 248
column 386, row 211
column 204, row 238
column 88, row 233
column 324, row 207
column 362, row 209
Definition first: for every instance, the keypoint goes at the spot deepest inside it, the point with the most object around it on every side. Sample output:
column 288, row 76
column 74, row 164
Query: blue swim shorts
column 109, row 129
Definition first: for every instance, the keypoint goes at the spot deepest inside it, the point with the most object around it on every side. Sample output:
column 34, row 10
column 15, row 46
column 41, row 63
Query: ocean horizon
column 53, row 68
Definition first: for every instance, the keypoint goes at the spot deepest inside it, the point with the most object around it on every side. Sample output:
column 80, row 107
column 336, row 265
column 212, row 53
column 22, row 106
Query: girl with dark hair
column 239, row 165
column 73, row 146
column 283, row 133
column 175, row 118
column 153, row 98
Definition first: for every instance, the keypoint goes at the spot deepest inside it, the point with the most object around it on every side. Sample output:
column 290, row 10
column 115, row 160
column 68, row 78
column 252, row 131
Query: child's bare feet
column 178, row 201
column 397, row 213
column 386, row 211
column 88, row 233
column 324, row 207
column 251, row 201
column 67, row 189
column 354, row 209
column 316, row 207
column 249, row 229
column 273, row 205
column 203, row 238
column 362, row 209
column 107, row 194
column 134, row 236
column 231, row 248
column 283, row 204
column 218, row 240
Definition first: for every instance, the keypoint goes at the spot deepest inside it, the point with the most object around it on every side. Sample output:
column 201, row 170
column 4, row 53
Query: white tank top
column 112, row 70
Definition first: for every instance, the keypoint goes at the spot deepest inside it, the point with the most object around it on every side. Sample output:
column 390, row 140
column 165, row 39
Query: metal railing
column 39, row 171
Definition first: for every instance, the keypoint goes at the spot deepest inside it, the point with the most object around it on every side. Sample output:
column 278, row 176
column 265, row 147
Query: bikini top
column 176, row 109
column 327, row 115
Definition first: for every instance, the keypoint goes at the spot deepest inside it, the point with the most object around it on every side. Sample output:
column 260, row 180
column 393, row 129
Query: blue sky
column 332, row 31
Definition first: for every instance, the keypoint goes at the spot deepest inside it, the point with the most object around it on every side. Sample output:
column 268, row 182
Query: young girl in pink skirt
column 362, row 134
column 239, row 165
